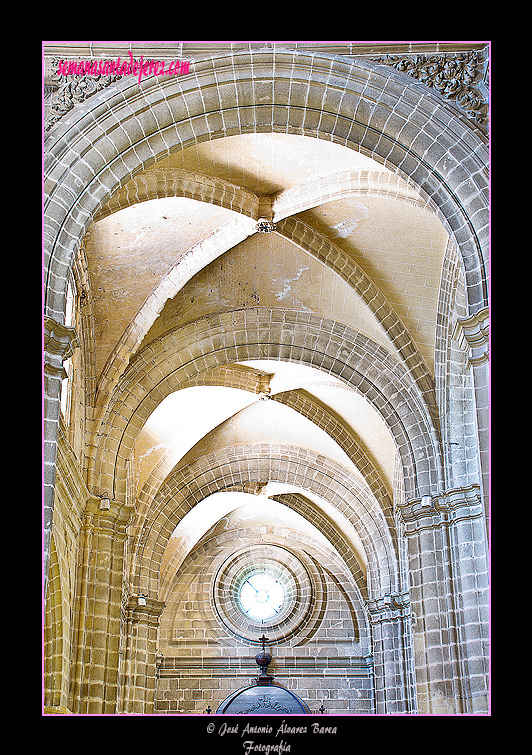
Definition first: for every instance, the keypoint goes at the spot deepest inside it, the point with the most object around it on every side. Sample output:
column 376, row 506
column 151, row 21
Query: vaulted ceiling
column 350, row 241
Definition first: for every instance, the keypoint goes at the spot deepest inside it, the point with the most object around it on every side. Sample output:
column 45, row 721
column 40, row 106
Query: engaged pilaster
column 449, row 596
column 59, row 344
column 390, row 617
column 138, row 677
column 472, row 335
column 94, row 686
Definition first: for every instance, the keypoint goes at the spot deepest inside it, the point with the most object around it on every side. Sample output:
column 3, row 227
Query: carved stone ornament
column 472, row 334
column 73, row 89
column 265, row 226
column 256, row 700
column 461, row 77
column 266, row 702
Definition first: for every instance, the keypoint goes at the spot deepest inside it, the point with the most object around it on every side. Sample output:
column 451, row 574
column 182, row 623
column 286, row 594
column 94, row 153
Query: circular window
column 262, row 596
column 264, row 587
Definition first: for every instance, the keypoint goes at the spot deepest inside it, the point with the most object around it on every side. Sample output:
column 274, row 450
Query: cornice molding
column 231, row 666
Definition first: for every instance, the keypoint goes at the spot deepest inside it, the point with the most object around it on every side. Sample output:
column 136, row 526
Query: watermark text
column 120, row 67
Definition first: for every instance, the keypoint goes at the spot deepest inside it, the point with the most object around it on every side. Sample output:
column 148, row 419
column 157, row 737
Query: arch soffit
column 243, row 335
column 89, row 157
column 260, row 463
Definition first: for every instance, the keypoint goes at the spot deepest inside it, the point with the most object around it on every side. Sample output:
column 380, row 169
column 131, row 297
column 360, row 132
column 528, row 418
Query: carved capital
column 388, row 607
column 105, row 513
column 59, row 344
column 460, row 503
column 441, row 508
column 473, row 333
column 142, row 608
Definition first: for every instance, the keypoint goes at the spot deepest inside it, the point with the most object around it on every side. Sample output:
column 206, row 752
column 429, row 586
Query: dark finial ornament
column 263, row 660
column 272, row 701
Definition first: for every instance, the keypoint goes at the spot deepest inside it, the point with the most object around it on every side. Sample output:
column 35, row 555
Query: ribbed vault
column 260, row 278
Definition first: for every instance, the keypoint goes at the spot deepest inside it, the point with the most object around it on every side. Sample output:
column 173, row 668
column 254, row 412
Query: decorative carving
column 442, row 509
column 389, row 606
column 73, row 89
column 265, row 702
column 456, row 76
column 265, row 226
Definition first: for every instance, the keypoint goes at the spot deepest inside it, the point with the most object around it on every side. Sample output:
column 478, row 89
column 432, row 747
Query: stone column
column 138, row 668
column 449, row 598
column 59, row 344
column 472, row 334
column 100, row 566
column 390, row 619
